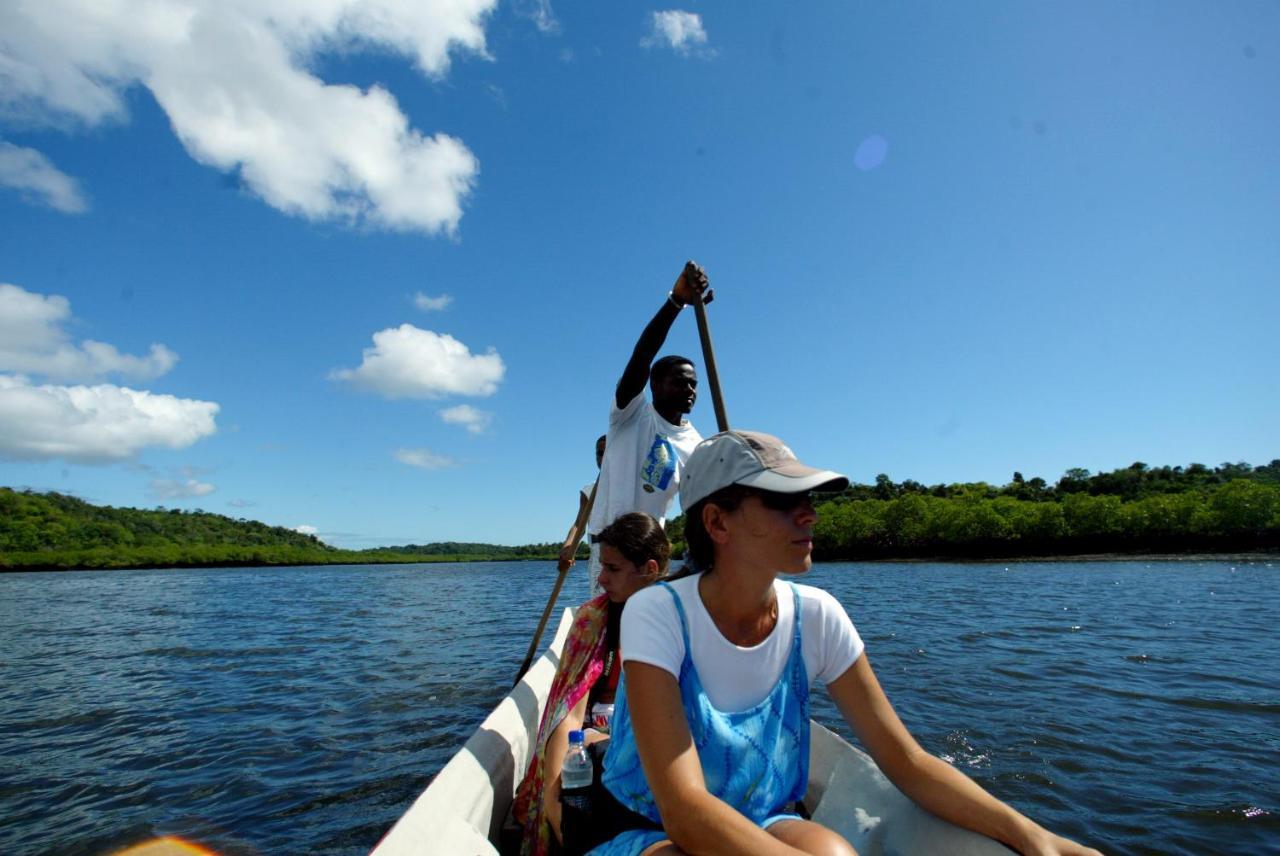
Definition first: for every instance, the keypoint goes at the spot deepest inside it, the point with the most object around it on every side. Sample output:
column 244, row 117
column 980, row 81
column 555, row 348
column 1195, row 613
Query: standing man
column 647, row 443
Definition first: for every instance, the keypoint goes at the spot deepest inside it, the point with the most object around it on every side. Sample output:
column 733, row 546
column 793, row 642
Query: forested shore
column 1231, row 508
column 52, row 531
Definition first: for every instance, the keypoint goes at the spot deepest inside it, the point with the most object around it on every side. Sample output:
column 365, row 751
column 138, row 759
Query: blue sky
column 373, row 268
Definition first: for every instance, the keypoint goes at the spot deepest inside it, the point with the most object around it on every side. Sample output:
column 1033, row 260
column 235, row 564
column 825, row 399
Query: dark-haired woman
column 634, row 552
column 711, row 737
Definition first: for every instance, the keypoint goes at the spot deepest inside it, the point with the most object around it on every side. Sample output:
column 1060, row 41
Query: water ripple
column 302, row 710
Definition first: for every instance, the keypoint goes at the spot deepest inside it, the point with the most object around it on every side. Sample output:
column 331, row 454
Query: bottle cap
column 575, row 736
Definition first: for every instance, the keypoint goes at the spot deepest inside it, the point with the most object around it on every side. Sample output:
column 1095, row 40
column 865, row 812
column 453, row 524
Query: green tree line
column 55, row 531
column 1138, row 509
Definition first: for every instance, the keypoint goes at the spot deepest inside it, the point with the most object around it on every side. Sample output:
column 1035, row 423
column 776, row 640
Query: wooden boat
column 465, row 808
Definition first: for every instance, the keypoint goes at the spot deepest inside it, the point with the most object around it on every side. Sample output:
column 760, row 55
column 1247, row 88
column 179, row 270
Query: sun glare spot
column 871, row 153
column 167, row 845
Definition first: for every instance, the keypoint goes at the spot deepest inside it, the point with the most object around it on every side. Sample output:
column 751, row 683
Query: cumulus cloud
column 680, row 31
column 475, row 421
column 406, row 362
column 306, row 529
column 432, row 304
column 423, row 459
column 32, row 175
column 32, row 341
column 95, row 424
column 180, row 489
column 235, row 79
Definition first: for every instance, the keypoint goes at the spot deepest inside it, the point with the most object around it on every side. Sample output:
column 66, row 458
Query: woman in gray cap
column 710, row 748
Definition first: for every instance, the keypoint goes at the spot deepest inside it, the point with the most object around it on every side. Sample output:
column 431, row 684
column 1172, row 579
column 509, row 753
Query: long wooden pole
column 551, row 601
column 709, row 359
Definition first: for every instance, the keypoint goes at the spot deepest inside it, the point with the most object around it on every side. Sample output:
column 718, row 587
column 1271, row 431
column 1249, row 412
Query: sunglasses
column 781, row 501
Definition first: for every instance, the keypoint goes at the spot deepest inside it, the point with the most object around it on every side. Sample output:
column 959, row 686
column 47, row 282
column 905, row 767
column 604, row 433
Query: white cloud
column 234, row 78
column 406, row 362
column 32, row 341
column 680, row 31
column 95, row 424
column 541, row 13
column 306, row 529
column 32, row 175
column 476, row 421
column 423, row 459
column 432, row 304
column 178, row 489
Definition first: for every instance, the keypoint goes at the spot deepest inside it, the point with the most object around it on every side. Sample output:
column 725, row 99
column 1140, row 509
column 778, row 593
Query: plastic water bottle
column 575, row 775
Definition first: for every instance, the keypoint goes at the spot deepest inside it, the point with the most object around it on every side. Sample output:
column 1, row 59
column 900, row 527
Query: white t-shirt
column 642, row 459
column 734, row 677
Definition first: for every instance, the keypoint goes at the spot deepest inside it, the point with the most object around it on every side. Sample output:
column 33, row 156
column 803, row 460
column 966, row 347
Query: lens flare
column 167, row 845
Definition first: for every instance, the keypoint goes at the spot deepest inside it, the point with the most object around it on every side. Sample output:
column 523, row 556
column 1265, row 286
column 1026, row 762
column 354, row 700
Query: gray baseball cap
column 753, row 459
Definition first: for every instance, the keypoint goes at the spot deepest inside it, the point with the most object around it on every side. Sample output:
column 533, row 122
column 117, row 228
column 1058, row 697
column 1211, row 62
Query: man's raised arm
column 691, row 280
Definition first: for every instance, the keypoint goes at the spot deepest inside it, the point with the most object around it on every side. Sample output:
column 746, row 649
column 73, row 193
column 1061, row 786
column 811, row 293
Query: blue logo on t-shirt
column 659, row 466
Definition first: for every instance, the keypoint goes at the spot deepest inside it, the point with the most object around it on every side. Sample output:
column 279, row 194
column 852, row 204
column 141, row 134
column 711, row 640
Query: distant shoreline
column 1094, row 557
column 182, row 566
column 1256, row 556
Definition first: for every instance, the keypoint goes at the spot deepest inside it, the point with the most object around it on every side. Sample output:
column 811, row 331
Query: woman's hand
column 1042, row 842
column 930, row 782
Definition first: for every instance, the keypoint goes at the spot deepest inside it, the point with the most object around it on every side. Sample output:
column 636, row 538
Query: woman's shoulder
column 648, row 599
column 818, row 600
column 657, row 599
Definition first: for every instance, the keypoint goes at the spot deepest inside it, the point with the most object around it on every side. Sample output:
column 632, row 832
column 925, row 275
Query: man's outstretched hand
column 567, row 557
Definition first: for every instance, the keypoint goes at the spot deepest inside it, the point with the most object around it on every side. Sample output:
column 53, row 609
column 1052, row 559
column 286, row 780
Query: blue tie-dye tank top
column 756, row 760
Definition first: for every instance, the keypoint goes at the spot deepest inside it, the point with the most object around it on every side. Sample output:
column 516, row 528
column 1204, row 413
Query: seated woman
column 711, row 735
column 634, row 552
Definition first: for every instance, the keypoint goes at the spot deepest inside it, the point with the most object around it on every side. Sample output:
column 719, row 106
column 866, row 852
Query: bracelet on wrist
column 671, row 295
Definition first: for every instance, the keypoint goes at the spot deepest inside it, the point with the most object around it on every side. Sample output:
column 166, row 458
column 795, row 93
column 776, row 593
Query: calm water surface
column 1133, row 705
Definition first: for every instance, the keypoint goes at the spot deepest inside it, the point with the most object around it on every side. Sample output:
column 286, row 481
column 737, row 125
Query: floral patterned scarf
column 581, row 662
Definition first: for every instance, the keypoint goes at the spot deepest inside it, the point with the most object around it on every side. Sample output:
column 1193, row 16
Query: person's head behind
column 600, row 441
column 747, row 468
column 673, row 384
column 634, row 552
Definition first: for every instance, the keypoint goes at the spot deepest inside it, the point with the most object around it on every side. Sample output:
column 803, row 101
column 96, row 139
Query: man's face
column 677, row 389
column 599, row 452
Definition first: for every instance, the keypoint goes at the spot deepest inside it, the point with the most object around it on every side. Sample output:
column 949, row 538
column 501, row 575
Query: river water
column 1132, row 705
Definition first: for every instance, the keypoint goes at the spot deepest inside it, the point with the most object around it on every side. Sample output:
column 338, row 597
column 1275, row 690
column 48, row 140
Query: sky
column 371, row 268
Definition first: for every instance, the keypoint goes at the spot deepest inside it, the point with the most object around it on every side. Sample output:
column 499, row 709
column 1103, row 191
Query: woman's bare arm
column 931, row 782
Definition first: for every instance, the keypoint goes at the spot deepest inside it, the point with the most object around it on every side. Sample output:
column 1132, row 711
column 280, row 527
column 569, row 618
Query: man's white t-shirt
column 642, row 460
column 737, row 678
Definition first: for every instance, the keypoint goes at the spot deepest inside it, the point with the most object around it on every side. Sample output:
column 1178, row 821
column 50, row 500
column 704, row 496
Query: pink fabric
column 581, row 663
